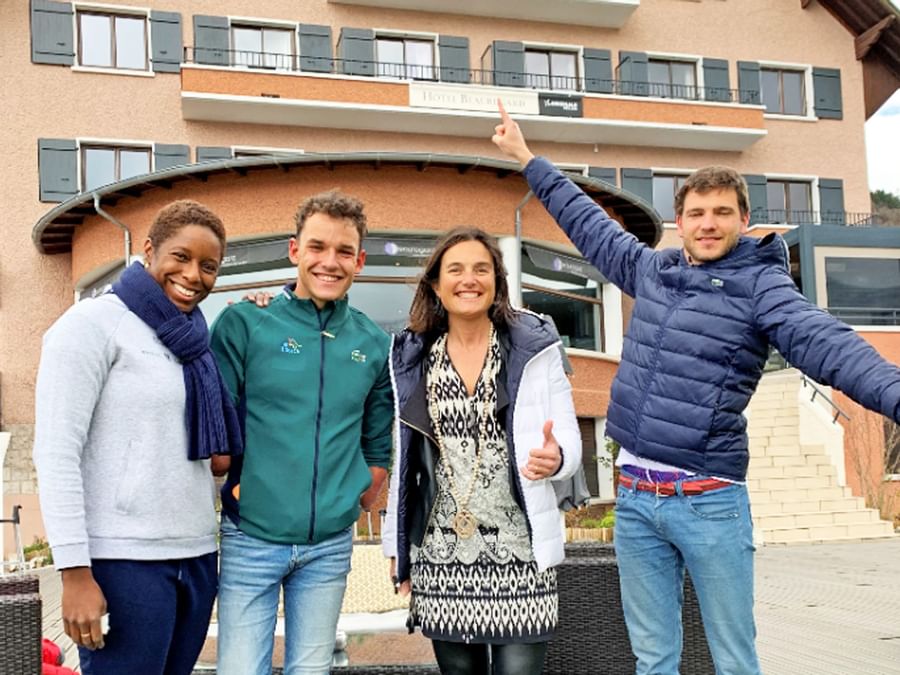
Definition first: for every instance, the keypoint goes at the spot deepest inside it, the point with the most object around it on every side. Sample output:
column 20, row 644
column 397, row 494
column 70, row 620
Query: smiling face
column 185, row 264
column 710, row 224
column 328, row 256
column 466, row 285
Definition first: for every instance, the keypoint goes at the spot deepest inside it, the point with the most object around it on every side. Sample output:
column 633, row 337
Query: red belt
column 688, row 487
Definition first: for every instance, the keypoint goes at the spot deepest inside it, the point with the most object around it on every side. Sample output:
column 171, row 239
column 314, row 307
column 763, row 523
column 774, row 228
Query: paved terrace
column 827, row 609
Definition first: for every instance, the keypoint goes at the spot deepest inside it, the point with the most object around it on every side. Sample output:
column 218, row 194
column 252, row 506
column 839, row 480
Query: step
column 807, row 495
column 821, row 533
column 793, row 483
column 805, row 520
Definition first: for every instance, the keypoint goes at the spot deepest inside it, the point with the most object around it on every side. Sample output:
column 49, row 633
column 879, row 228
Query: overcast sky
column 883, row 144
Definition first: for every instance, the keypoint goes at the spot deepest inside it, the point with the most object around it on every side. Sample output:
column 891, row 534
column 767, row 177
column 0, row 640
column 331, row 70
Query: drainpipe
column 104, row 214
column 517, row 291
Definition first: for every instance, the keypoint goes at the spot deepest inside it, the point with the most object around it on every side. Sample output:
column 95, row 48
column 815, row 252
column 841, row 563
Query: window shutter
column 166, row 156
column 57, row 169
column 165, row 33
column 759, row 199
column 638, row 182
column 52, row 38
column 602, row 173
column 315, row 48
column 454, row 55
column 508, row 59
column 715, row 80
column 633, row 74
column 211, row 40
column 357, row 47
column 827, row 88
column 748, row 82
column 210, row 154
column 831, row 201
column 598, row 76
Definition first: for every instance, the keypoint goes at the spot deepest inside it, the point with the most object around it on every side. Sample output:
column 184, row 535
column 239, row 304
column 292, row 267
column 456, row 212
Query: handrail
column 818, row 392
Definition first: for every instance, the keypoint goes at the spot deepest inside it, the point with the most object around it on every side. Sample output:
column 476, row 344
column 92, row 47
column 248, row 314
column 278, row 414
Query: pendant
column 464, row 524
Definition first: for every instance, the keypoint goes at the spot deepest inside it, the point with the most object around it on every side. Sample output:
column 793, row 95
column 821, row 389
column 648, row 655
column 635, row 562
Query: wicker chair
column 20, row 625
column 591, row 638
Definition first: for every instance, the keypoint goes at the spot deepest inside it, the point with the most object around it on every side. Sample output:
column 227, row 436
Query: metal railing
column 867, row 316
column 268, row 61
column 776, row 362
column 795, row 217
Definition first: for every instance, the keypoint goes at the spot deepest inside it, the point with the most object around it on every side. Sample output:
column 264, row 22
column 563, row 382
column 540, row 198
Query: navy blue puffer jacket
column 699, row 336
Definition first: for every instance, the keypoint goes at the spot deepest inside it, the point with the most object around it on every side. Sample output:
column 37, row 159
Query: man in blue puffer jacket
column 702, row 323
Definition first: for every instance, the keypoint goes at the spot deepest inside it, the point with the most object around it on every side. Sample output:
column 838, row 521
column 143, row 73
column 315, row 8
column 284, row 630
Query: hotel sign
column 475, row 99
column 560, row 105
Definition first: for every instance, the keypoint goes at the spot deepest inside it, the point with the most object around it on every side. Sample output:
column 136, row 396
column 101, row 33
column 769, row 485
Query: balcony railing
column 867, row 316
column 272, row 62
column 791, row 217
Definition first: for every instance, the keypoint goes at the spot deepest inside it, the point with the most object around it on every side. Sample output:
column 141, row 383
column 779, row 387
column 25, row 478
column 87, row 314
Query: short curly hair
column 711, row 178
column 335, row 204
column 182, row 213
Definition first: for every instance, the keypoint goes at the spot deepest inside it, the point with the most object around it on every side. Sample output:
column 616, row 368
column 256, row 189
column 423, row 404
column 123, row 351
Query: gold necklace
column 464, row 522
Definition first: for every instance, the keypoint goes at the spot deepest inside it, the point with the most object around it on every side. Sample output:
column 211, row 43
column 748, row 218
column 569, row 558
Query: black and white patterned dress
column 485, row 588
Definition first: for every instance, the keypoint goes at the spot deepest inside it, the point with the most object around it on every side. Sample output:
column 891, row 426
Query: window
column 790, row 201
column 102, row 165
column 112, row 41
column 672, row 79
column 864, row 291
column 262, row 47
column 783, row 91
column 405, row 58
column 664, row 190
column 546, row 69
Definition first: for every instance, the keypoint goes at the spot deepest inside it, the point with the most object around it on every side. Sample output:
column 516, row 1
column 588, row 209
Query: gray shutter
column 454, row 55
column 748, row 82
column 57, row 168
column 165, row 33
column 633, row 74
column 357, row 51
column 211, row 40
column 715, row 80
column 827, row 88
column 209, row 153
column 602, row 173
column 52, row 38
column 166, row 156
column 315, row 48
column 508, row 60
column 831, row 201
column 759, row 198
column 638, row 182
column 598, row 75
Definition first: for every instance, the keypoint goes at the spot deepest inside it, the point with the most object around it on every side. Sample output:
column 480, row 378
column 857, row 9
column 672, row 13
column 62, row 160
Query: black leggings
column 458, row 658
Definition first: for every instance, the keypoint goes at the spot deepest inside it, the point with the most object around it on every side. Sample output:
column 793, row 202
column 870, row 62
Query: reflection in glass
column 131, row 51
column 864, row 291
column 664, row 190
column 96, row 40
column 133, row 163
column 99, row 167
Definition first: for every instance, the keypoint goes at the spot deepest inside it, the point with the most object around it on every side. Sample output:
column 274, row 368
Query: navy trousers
column 158, row 615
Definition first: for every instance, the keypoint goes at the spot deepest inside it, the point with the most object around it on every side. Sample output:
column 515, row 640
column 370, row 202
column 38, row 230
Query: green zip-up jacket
column 314, row 391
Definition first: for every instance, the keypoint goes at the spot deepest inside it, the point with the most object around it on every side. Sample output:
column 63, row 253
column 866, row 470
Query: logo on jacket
column 291, row 346
column 357, row 356
column 718, row 283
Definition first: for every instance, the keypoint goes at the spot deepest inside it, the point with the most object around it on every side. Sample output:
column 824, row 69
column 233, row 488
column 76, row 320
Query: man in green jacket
column 310, row 374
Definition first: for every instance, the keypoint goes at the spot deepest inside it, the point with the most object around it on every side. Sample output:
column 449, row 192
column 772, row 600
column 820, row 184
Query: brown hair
column 427, row 316
column 182, row 213
column 714, row 178
column 336, row 205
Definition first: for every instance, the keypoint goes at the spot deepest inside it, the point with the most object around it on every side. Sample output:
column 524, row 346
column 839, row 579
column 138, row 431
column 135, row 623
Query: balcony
column 784, row 217
column 408, row 99
column 600, row 13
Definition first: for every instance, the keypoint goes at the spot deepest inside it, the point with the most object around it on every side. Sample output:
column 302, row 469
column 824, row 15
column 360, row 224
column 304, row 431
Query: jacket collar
column 332, row 317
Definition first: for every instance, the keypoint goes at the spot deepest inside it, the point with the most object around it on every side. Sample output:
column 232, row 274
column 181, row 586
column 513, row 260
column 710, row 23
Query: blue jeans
column 253, row 571
column 158, row 615
column 656, row 538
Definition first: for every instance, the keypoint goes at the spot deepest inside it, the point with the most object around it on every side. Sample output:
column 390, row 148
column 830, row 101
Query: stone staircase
column 796, row 490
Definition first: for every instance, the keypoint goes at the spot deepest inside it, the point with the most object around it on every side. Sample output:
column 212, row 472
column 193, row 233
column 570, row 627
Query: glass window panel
column 770, row 90
column 247, row 46
column 420, row 59
column 99, row 167
column 683, row 73
column 562, row 66
column 792, row 84
column 537, row 69
column 658, row 72
column 664, row 197
column 131, row 50
column 96, row 40
column 278, row 48
column 133, row 163
column 776, row 199
column 864, row 291
column 577, row 322
column 801, row 206
column 390, row 57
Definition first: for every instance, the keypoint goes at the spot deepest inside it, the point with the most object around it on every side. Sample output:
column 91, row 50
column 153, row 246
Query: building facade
column 114, row 109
